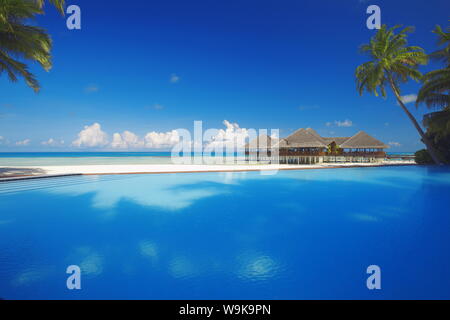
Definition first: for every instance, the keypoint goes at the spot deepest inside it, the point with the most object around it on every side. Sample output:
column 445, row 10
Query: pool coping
column 43, row 176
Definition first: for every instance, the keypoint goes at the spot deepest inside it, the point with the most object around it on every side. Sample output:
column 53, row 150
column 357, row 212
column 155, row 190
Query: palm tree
column 435, row 92
column 21, row 41
column 443, row 40
column 59, row 4
column 392, row 62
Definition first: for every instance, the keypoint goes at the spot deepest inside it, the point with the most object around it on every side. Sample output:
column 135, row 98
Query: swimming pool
column 295, row 235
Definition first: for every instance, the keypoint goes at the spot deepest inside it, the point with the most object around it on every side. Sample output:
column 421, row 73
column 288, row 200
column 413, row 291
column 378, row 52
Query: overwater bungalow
column 306, row 146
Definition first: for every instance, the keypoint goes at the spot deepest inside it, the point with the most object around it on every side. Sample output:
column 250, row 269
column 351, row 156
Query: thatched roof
column 261, row 142
column 337, row 140
column 363, row 140
column 313, row 132
column 309, row 138
column 281, row 143
column 305, row 138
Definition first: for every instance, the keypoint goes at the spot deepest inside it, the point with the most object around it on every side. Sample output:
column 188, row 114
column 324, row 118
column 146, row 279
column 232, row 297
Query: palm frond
column 391, row 57
column 58, row 4
column 436, row 84
column 16, row 68
column 442, row 54
column 20, row 41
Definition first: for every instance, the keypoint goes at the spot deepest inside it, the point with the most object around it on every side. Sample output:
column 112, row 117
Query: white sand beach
column 42, row 171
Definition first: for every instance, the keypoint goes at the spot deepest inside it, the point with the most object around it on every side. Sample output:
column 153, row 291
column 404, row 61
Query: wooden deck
column 400, row 157
column 286, row 153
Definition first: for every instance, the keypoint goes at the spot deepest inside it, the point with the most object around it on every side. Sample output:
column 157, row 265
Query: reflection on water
column 149, row 250
column 182, row 267
column 31, row 276
column 166, row 191
column 257, row 268
column 380, row 211
column 89, row 261
column 296, row 235
column 178, row 191
column 366, row 217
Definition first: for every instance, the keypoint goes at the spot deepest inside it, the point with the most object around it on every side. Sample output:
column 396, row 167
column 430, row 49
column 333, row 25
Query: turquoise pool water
column 295, row 235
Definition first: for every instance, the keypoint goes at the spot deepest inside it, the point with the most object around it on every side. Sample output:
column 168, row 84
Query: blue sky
column 155, row 66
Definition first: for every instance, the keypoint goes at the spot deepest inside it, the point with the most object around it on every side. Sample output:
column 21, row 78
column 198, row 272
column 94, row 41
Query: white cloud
column 91, row 136
column 152, row 140
column 158, row 106
column 3, row 141
column 409, row 98
column 91, row 88
column 49, row 142
column 174, row 78
column 126, row 140
column 52, row 142
column 25, row 142
column 232, row 136
column 345, row 123
column 161, row 139
column 395, row 144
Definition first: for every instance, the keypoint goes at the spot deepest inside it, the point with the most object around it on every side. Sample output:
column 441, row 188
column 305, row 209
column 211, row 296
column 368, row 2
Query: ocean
column 92, row 158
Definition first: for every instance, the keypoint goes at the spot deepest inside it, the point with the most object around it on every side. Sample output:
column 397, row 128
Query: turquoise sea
column 295, row 235
column 82, row 158
column 87, row 158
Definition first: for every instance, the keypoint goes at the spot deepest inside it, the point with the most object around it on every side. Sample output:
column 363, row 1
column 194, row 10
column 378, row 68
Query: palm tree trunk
column 430, row 147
